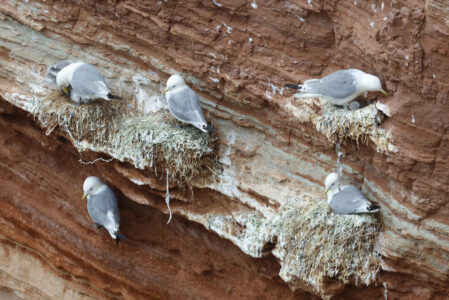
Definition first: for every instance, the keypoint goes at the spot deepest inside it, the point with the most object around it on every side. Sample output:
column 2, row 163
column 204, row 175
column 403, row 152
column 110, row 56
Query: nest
column 147, row 141
column 314, row 244
column 359, row 125
column 340, row 125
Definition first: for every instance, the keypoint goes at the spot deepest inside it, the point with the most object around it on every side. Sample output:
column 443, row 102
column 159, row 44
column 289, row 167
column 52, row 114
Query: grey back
column 98, row 206
column 186, row 106
column 338, row 85
column 85, row 81
column 349, row 200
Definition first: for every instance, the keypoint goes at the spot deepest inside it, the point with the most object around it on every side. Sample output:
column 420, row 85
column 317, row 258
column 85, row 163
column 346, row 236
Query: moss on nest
column 147, row 141
column 314, row 243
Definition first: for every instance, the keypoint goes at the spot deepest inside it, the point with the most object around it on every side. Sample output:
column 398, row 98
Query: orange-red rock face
column 237, row 55
column 50, row 251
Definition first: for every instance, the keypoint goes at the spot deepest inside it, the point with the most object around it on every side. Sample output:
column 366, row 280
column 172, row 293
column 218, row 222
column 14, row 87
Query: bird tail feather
column 119, row 236
column 307, row 95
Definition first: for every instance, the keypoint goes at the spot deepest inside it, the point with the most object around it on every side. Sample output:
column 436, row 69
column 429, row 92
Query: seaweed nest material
column 314, row 244
column 146, row 141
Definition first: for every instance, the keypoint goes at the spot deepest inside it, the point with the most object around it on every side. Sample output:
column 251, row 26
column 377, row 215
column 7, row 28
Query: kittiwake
column 346, row 199
column 84, row 81
column 340, row 87
column 102, row 206
column 184, row 103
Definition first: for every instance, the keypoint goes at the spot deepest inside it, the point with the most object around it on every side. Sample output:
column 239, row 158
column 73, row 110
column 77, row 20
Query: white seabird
column 84, row 81
column 346, row 199
column 102, row 206
column 184, row 103
column 339, row 88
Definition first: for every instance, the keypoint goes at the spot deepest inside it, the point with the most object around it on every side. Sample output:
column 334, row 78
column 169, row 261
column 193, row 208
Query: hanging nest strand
column 146, row 141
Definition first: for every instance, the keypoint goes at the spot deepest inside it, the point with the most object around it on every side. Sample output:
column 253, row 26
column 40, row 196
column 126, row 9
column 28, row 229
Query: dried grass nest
column 153, row 141
column 342, row 125
column 314, row 244
column 359, row 125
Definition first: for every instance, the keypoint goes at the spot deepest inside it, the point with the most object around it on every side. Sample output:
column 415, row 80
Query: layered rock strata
column 271, row 148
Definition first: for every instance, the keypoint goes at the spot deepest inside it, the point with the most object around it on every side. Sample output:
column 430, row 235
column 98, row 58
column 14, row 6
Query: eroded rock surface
column 237, row 55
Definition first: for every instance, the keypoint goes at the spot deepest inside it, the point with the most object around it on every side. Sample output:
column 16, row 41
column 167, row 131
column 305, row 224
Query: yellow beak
column 65, row 90
column 84, row 197
column 166, row 90
column 325, row 191
column 383, row 92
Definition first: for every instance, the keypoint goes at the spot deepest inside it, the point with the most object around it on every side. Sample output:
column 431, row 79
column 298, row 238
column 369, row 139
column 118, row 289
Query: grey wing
column 185, row 106
column 348, row 200
column 98, row 206
column 338, row 85
column 87, row 80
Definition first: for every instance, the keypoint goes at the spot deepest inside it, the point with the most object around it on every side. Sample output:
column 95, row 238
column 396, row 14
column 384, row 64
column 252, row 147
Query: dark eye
column 173, row 86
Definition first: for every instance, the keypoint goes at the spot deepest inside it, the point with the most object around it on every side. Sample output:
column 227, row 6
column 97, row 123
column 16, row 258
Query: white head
column 91, row 186
column 175, row 81
column 331, row 181
column 56, row 68
column 370, row 83
column 64, row 77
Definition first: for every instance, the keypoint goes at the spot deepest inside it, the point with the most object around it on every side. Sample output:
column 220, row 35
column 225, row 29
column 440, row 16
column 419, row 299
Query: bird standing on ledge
column 339, row 88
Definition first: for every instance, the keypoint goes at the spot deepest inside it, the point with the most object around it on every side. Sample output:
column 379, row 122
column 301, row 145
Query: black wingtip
column 210, row 129
column 373, row 207
column 114, row 97
column 119, row 236
column 293, row 86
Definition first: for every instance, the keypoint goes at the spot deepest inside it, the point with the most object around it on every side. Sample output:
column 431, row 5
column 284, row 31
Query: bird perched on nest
column 339, row 88
column 82, row 81
column 346, row 199
column 184, row 103
column 102, row 206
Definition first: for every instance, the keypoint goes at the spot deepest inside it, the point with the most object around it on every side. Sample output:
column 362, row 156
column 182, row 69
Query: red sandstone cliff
column 272, row 148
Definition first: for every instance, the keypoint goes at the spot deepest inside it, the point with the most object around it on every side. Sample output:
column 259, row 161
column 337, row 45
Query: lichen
column 153, row 141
